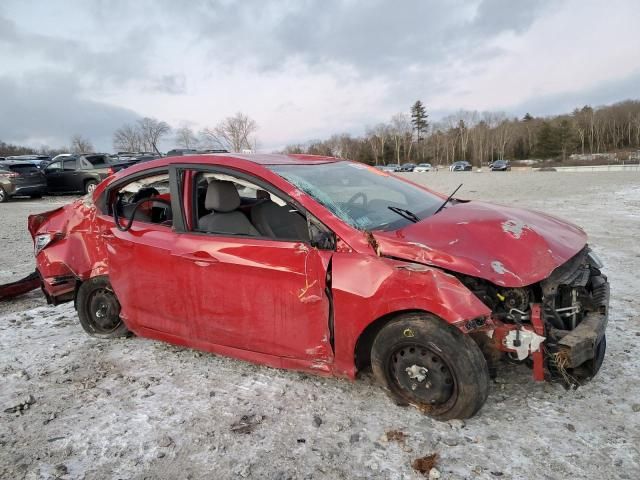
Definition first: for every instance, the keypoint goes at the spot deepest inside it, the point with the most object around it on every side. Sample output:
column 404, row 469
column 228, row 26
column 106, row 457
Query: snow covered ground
column 76, row 407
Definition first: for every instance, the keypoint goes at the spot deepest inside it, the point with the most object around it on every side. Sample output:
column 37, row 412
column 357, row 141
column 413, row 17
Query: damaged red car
column 329, row 266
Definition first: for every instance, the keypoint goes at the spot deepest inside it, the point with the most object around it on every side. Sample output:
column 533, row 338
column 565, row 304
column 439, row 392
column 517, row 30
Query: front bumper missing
column 583, row 347
column 576, row 354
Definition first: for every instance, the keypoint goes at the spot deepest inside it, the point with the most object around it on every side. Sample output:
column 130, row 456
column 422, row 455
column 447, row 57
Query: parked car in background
column 407, row 167
column 208, row 151
column 122, row 162
column 423, row 167
column 70, row 173
column 39, row 161
column 500, row 166
column 19, row 178
column 177, row 152
column 460, row 166
column 390, row 167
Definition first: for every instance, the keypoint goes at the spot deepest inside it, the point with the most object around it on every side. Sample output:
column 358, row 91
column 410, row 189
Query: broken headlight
column 41, row 241
column 595, row 260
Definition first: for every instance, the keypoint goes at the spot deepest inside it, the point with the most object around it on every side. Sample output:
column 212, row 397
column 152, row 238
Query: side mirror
column 321, row 237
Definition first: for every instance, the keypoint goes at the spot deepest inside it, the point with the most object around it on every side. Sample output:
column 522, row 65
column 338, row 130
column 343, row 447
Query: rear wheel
column 422, row 361
column 4, row 196
column 90, row 186
column 99, row 309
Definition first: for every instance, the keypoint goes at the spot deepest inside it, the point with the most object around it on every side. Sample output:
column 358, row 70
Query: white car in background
column 423, row 167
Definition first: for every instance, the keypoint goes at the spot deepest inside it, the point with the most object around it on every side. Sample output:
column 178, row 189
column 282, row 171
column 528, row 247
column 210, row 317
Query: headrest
column 222, row 196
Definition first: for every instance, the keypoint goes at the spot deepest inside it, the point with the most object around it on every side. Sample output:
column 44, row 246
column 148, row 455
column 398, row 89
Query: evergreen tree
column 419, row 119
column 549, row 143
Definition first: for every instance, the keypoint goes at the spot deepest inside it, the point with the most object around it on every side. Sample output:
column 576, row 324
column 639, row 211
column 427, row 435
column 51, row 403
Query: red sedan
column 328, row 266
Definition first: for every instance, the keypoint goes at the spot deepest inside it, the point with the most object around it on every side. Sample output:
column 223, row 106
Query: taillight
column 41, row 241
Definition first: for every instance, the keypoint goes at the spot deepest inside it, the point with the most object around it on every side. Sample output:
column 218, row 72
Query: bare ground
column 136, row 408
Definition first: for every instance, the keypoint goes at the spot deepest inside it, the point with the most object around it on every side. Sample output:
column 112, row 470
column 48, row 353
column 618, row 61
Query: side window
column 54, row 167
column 69, row 165
column 127, row 200
column 94, row 161
column 229, row 205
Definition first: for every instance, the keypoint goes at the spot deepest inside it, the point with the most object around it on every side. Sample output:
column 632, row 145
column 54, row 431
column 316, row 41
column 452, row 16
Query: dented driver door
column 256, row 294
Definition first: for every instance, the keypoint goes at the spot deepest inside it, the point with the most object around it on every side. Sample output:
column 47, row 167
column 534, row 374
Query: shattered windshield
column 363, row 197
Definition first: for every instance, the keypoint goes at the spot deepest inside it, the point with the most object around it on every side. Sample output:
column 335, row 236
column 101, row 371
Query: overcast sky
column 302, row 69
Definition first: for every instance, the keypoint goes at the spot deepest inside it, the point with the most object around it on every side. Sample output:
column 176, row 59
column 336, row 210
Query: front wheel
column 422, row 361
column 99, row 310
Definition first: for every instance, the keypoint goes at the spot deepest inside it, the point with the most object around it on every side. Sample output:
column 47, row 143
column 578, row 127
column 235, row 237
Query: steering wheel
column 116, row 216
column 353, row 199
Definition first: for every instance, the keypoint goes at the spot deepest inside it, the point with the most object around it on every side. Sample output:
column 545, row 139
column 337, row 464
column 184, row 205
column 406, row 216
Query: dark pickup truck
column 68, row 173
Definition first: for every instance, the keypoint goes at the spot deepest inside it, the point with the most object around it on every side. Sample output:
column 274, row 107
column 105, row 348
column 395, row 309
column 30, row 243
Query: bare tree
column 402, row 132
column 151, row 131
column 503, row 137
column 127, row 139
column 186, row 138
column 377, row 138
column 233, row 133
column 80, row 144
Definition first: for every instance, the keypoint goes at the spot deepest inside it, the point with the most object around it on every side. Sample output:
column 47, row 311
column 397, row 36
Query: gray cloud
column 372, row 37
column 172, row 84
column 616, row 90
column 359, row 61
column 46, row 108
column 124, row 59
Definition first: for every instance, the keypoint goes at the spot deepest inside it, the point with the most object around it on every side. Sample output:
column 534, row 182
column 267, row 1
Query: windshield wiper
column 409, row 215
column 448, row 199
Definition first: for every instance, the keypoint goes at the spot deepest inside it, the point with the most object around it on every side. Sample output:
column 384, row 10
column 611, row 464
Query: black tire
column 4, row 196
column 422, row 361
column 90, row 186
column 99, row 310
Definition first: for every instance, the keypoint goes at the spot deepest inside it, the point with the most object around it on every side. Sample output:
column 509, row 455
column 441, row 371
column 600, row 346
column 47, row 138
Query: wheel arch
column 364, row 343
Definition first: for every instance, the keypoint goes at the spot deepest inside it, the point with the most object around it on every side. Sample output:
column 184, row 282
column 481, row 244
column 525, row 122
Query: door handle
column 200, row 256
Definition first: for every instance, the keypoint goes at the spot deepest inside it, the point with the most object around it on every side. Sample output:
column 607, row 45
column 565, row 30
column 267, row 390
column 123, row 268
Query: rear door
column 28, row 175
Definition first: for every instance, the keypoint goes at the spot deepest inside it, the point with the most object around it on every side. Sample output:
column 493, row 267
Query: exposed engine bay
column 571, row 307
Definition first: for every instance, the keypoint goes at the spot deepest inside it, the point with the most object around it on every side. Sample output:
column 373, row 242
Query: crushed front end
column 556, row 325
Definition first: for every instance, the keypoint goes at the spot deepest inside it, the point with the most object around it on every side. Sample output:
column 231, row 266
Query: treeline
column 481, row 137
column 9, row 149
column 79, row 144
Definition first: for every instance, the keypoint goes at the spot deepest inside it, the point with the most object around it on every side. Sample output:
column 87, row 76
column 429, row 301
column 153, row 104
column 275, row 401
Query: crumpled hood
column 510, row 247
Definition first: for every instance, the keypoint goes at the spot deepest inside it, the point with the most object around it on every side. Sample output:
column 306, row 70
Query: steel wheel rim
column 104, row 311
column 91, row 187
column 421, row 376
column 2, row 194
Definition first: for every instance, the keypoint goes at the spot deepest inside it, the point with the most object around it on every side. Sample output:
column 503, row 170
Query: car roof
column 258, row 158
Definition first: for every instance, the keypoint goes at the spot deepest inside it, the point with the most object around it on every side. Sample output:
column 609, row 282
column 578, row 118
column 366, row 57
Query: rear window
column 23, row 169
